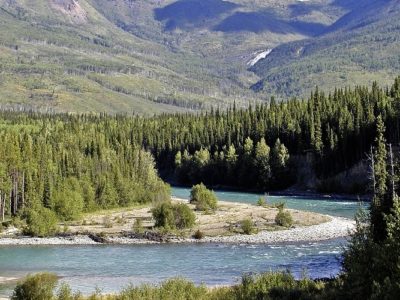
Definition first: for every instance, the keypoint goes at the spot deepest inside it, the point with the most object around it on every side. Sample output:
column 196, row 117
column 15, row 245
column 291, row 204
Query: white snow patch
column 259, row 56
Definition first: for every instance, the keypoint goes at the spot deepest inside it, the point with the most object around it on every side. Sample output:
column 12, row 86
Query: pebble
column 335, row 228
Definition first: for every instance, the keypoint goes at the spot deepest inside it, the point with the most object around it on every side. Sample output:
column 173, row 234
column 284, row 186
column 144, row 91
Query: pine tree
column 378, row 206
column 262, row 157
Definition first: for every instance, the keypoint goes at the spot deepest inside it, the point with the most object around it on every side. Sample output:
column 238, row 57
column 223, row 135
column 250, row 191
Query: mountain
column 360, row 47
column 154, row 56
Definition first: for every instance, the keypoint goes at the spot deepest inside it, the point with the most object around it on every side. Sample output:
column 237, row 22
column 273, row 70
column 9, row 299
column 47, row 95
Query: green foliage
column 36, row 287
column 163, row 215
column 284, row 218
column 247, row 226
column 261, row 202
column 67, row 200
column 370, row 30
column 262, row 157
column 380, row 205
column 198, row 235
column 371, row 262
column 70, row 163
column 41, row 222
column 174, row 289
column 280, row 205
column 184, row 216
column 249, row 148
column 173, row 216
column 203, row 198
column 276, row 285
column 371, row 268
column 261, row 147
column 73, row 164
column 132, row 71
column 65, row 293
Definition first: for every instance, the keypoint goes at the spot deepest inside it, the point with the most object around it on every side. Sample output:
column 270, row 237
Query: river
column 112, row 267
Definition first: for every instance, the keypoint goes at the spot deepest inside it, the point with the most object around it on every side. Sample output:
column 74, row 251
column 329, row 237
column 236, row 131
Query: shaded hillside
column 361, row 47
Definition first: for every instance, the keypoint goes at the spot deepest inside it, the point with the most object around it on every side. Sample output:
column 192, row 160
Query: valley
column 199, row 149
column 149, row 57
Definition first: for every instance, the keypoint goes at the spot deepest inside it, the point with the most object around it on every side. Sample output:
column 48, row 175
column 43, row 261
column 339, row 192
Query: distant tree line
column 259, row 147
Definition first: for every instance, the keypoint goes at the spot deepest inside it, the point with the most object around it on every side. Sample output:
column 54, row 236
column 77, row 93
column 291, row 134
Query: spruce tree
column 378, row 205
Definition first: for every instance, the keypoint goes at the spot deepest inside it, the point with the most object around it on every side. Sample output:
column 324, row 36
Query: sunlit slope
column 57, row 56
column 151, row 56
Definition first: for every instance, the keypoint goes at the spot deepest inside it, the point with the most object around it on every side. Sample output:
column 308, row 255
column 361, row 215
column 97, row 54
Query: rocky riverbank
column 221, row 226
column 335, row 228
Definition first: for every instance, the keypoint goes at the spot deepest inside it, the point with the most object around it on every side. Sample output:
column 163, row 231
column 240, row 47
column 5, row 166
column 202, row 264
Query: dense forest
column 72, row 163
column 67, row 165
column 260, row 147
column 370, row 265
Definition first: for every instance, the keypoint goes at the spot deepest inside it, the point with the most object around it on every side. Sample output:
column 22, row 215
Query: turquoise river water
column 113, row 267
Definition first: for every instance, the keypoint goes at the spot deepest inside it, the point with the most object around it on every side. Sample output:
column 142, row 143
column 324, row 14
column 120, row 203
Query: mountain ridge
column 358, row 48
column 153, row 57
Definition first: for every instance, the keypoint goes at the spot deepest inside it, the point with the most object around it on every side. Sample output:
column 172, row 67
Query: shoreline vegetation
column 273, row 285
column 222, row 226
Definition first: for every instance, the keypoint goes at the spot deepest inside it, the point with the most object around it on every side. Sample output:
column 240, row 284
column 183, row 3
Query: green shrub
column 172, row 216
column 198, row 235
column 284, row 218
column 276, row 285
column 173, row 289
column 17, row 222
column 36, row 287
column 68, row 204
column 203, row 198
column 184, row 216
column 371, row 267
column 41, row 222
column 247, row 226
column 163, row 215
column 279, row 205
column 261, row 202
column 65, row 293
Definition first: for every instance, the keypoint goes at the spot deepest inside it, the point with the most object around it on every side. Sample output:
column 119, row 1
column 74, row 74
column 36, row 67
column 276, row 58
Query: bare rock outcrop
column 71, row 9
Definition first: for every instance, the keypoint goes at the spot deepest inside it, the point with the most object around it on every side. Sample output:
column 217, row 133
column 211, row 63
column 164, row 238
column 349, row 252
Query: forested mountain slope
column 361, row 47
column 151, row 56
column 67, row 56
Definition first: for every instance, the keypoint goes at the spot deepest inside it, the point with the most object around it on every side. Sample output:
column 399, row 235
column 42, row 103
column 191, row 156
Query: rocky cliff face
column 72, row 9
